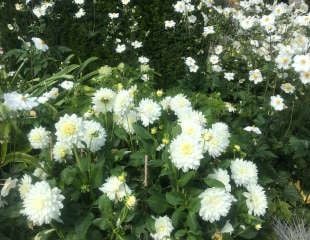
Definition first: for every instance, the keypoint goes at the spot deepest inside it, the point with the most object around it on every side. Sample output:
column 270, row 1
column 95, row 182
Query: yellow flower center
column 38, row 203
column 36, row 137
column 187, row 149
column 68, row 129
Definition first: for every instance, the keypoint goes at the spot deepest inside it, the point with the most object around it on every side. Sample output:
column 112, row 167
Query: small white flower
column 305, row 77
column 255, row 76
column 24, row 186
column 9, row 184
column 222, row 176
column 243, row 172
column 80, row 13
column 169, row 24
column 39, row 138
column 301, row 63
column 214, row 59
column 79, row 2
column 163, row 228
column 125, row 2
column 214, row 204
column 60, row 151
column 113, row 15
column 115, row 188
column 103, row 100
column 120, row 48
column 94, row 135
column 253, row 129
column 277, row 103
column 148, row 111
column 39, row 44
column 143, row 60
column 229, row 76
column 256, row 200
column 191, row 63
column 136, row 44
column 208, row 30
column 42, row 204
column 67, row 85
column 287, row 88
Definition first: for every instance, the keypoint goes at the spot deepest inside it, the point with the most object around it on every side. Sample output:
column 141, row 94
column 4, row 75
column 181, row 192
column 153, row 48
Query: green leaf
column 82, row 227
column 156, row 203
column 105, row 206
column 174, row 198
column 248, row 234
column 191, row 221
column 214, row 183
column 186, row 178
column 68, row 175
column 102, row 223
column 142, row 133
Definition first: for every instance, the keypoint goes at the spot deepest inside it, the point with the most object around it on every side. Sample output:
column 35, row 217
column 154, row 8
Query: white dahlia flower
column 256, row 200
column 123, row 102
column 180, row 104
column 148, row 111
column 16, row 101
column 61, row 151
column 39, row 138
column 163, row 228
column 42, row 204
column 8, row 185
column 94, row 135
column 115, row 188
column 222, row 176
column 186, row 152
column 243, row 172
column 24, row 186
column 128, row 120
column 103, row 100
column 216, row 139
column 214, row 204
column 191, row 128
column 69, row 129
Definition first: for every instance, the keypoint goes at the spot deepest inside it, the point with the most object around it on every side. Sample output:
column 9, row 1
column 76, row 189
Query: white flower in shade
column 103, row 100
column 2, row 202
column 208, row 30
column 283, row 61
column 218, row 49
column 301, row 63
column 163, row 228
column 305, row 77
column 256, row 200
column 80, row 13
column 169, row 24
column 231, row 108
column 42, row 204
column 243, row 172
column 287, row 88
column 24, row 186
column 115, row 188
column 8, row 185
column 185, row 152
column 180, row 104
column 222, row 176
column 228, row 228
column 69, row 129
column 61, row 151
column 253, row 129
column 39, row 172
column 216, row 139
column 191, row 64
column 67, row 85
column 125, row 2
column 255, row 76
column 79, row 2
column 15, row 101
column 148, row 111
column 229, row 76
column 39, row 44
column 41, row 10
column 277, row 103
column 39, row 138
column 165, row 103
column 94, row 135
column 267, row 20
column 214, row 204
column 143, row 60
column 120, row 48
column 128, row 120
column 214, row 59
column 136, row 44
column 123, row 102
column 192, row 19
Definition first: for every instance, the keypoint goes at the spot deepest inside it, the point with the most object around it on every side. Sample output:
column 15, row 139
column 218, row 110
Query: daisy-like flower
column 69, row 129
column 191, row 127
column 80, row 13
column 67, row 85
column 148, row 111
column 127, row 121
column 169, row 24
column 136, row 44
column 283, row 61
column 191, row 64
column 256, row 200
column 214, row 59
column 229, row 76
column 79, row 2
column 123, row 102
column 120, row 48
column 253, row 129
column 216, row 139
column 143, row 60
column 208, row 30
column 94, row 135
column 115, row 188
column 9, row 184
column 186, row 152
column 163, row 228
column 61, row 151
column 301, row 63
column 305, row 77
column 287, row 88
column 180, row 104
column 222, row 176
column 39, row 138
column 42, row 204
column 255, row 76
column 125, row 2
column 39, row 44
column 214, row 204
column 243, row 172
column 267, row 20
column 15, row 101
column 103, row 100
column 24, row 186
column 277, row 103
